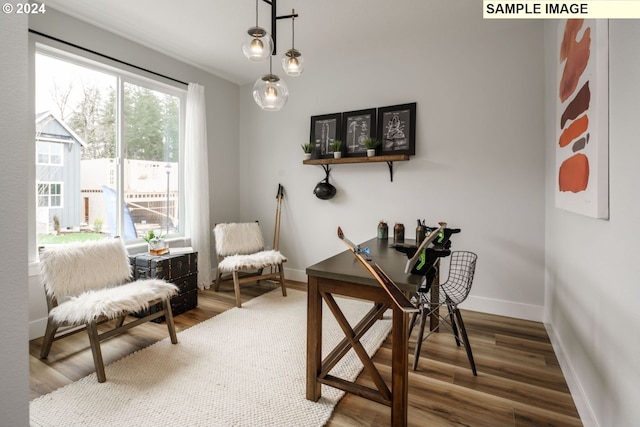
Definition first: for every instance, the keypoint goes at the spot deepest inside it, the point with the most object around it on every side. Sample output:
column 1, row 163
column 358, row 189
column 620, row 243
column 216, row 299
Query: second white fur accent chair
column 240, row 247
column 89, row 283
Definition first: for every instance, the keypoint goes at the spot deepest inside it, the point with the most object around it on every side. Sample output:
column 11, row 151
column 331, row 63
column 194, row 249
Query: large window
column 111, row 140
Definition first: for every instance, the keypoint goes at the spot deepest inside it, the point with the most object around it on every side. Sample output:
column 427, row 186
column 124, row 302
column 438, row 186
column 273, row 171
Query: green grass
column 50, row 239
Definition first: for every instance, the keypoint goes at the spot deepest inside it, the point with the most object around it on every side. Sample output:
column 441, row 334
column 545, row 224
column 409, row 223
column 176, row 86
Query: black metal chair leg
column 465, row 340
column 454, row 327
column 412, row 322
column 423, row 322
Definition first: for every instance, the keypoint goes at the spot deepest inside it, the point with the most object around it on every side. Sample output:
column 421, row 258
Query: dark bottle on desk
column 421, row 232
column 398, row 233
column 383, row 230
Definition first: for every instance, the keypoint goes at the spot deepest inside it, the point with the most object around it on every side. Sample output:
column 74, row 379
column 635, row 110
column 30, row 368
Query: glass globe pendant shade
column 270, row 93
column 293, row 62
column 257, row 44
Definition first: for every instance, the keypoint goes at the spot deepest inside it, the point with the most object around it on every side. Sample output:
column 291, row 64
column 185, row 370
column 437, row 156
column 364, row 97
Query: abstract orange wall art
column 582, row 145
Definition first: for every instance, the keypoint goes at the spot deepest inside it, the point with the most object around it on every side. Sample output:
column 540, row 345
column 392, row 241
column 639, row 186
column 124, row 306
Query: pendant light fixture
column 269, row 91
column 292, row 60
column 257, row 44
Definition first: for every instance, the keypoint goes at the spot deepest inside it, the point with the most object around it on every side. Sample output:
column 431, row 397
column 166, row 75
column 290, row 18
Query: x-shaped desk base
column 320, row 289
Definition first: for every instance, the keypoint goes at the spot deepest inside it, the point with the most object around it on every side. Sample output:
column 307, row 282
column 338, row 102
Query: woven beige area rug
column 244, row 367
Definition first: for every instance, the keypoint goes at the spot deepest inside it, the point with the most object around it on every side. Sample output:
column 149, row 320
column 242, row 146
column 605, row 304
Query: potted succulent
column 336, row 146
column 307, row 149
column 371, row 144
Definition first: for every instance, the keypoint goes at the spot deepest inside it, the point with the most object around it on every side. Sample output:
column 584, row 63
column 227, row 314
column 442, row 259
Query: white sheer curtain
column 197, row 182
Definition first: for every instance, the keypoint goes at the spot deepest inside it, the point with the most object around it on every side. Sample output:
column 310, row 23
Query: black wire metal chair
column 451, row 293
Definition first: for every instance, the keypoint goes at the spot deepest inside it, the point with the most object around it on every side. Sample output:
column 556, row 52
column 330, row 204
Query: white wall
column 592, row 266
column 479, row 161
column 16, row 130
column 222, row 124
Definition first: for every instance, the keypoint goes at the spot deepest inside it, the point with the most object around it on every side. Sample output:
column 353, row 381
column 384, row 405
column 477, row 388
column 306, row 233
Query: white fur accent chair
column 240, row 247
column 90, row 283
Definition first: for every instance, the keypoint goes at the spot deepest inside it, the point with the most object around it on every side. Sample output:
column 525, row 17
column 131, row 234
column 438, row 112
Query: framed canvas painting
column 582, row 118
column 324, row 130
column 358, row 126
column 397, row 129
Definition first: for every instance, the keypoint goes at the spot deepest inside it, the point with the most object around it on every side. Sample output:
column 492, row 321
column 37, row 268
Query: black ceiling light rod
column 274, row 18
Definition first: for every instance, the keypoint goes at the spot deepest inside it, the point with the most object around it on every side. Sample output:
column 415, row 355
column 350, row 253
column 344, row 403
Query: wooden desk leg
column 434, row 320
column 399, row 368
column 314, row 339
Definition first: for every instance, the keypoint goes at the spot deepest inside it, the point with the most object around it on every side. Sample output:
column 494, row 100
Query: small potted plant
column 156, row 242
column 307, row 149
column 336, row 146
column 371, row 144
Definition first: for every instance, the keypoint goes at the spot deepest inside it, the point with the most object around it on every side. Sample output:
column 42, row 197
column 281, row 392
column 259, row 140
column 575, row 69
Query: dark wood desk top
column 344, row 266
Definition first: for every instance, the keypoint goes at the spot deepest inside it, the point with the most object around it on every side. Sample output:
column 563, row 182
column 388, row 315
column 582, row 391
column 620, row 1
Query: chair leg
column 412, row 322
column 216, row 285
column 94, row 341
column 236, row 286
column 454, row 326
column 47, row 341
column 120, row 320
column 465, row 340
column 281, row 276
column 168, row 316
column 423, row 323
column 414, row 316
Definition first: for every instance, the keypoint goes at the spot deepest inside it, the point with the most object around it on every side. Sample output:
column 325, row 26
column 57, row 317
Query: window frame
column 123, row 76
column 49, row 145
column 49, row 194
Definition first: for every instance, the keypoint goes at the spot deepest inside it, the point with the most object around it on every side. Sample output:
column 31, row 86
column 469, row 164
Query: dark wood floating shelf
column 389, row 158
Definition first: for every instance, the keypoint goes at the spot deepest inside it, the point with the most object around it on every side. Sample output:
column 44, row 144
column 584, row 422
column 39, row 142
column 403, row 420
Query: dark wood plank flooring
column 519, row 381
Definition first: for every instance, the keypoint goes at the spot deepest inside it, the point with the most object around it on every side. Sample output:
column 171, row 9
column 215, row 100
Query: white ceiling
column 208, row 33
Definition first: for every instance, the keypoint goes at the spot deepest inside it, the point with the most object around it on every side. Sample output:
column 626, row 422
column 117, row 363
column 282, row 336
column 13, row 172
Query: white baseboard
column 504, row 308
column 585, row 411
column 295, row 275
column 37, row 328
column 484, row 305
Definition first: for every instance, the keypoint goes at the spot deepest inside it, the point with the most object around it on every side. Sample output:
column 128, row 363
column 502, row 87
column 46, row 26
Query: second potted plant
column 336, row 146
column 371, row 144
column 307, row 149
column 156, row 243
